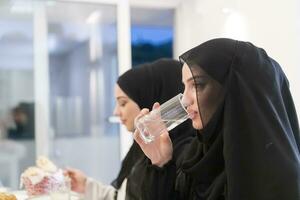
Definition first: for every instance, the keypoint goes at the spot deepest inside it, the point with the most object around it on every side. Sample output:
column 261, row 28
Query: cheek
column 197, row 123
column 126, row 113
column 132, row 113
column 189, row 97
column 130, row 119
column 135, row 114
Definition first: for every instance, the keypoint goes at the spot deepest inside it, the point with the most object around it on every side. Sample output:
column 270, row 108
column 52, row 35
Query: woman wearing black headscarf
column 248, row 134
column 137, row 88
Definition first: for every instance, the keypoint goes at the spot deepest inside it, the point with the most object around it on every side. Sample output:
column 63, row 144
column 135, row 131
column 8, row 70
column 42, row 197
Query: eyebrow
column 190, row 79
column 121, row 97
column 196, row 77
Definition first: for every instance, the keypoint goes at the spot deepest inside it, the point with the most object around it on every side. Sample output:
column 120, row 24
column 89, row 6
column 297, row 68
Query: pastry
column 42, row 178
column 6, row 196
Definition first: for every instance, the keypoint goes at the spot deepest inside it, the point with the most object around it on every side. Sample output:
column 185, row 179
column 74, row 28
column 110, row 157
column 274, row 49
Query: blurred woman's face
column 126, row 109
column 190, row 97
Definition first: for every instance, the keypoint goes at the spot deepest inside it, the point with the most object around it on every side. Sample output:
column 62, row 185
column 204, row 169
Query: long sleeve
column 168, row 182
column 160, row 183
column 96, row 190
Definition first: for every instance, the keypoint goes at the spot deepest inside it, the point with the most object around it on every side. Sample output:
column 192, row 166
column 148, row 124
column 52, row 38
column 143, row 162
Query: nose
column 186, row 99
column 116, row 111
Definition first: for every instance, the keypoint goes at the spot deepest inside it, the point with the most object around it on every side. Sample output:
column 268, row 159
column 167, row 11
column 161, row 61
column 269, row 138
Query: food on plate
column 43, row 178
column 7, row 196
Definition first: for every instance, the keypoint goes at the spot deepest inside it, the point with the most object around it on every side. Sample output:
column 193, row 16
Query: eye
column 122, row 103
column 201, row 82
column 193, row 85
column 190, row 85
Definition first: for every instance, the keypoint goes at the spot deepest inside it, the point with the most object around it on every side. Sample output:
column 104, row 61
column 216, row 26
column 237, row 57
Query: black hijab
column 146, row 84
column 249, row 146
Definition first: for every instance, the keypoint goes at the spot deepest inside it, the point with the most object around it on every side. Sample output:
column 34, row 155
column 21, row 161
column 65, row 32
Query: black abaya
column 249, row 146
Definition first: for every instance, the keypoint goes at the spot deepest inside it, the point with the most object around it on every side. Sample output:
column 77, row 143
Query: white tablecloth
column 21, row 195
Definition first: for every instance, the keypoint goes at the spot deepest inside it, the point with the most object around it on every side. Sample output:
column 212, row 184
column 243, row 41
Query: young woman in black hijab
column 248, row 142
column 137, row 88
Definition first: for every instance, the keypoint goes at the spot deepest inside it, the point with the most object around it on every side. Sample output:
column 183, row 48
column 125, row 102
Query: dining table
column 22, row 195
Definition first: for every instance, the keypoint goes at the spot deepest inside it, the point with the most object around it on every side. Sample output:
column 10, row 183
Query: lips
column 192, row 115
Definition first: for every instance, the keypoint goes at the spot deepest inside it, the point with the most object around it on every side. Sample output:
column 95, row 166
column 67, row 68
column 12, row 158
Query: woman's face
column 202, row 94
column 126, row 109
column 190, row 97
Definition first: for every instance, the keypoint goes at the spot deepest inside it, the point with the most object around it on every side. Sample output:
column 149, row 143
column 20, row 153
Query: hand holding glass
column 169, row 115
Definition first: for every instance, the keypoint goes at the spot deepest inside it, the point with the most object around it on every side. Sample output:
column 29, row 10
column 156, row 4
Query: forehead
column 193, row 71
column 119, row 92
column 186, row 72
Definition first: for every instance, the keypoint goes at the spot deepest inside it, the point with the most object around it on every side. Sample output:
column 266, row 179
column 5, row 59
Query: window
column 151, row 34
column 82, row 44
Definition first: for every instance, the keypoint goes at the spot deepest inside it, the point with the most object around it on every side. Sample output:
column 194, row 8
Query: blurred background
column 60, row 59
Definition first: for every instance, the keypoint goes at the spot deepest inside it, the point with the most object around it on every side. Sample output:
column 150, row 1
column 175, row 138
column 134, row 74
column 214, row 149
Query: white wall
column 272, row 25
column 97, row 157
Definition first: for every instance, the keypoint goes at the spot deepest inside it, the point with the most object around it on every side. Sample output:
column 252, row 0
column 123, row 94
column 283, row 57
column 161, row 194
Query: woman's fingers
column 155, row 106
column 69, row 172
column 143, row 112
column 138, row 139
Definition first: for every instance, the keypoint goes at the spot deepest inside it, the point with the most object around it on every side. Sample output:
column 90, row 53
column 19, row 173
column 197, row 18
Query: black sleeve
column 159, row 183
column 169, row 182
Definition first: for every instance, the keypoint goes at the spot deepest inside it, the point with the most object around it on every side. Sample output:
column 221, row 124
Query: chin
column 130, row 128
column 197, row 125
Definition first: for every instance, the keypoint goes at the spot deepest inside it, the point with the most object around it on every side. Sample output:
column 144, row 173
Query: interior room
column 60, row 60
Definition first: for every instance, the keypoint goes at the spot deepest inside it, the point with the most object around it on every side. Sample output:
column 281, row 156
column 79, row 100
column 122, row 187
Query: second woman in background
column 135, row 89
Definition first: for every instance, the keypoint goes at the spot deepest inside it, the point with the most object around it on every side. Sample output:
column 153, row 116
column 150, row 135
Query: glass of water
column 63, row 192
column 169, row 115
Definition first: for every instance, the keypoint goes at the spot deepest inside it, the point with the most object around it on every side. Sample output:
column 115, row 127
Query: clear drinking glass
column 169, row 115
column 63, row 192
